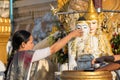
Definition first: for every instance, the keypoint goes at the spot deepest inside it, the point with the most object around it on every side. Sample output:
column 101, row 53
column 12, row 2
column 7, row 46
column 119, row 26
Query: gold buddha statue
column 95, row 29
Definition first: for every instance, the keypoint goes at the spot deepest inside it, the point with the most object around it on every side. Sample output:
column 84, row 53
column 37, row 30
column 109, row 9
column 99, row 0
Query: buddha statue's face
column 84, row 26
column 93, row 24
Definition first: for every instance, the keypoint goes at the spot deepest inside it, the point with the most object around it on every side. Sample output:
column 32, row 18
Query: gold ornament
column 61, row 3
column 91, row 14
column 5, row 30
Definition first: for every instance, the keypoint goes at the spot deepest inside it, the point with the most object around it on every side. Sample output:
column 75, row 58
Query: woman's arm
column 108, row 58
column 110, row 67
column 42, row 53
column 61, row 43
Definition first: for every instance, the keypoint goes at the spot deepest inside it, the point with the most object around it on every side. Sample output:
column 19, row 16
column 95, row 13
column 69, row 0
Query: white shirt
column 2, row 67
column 39, row 54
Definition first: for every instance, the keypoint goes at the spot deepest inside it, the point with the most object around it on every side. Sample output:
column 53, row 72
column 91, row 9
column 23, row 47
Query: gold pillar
column 5, row 30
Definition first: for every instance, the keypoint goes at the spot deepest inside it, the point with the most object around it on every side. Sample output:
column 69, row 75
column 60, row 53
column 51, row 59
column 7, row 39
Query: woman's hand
column 61, row 43
column 76, row 33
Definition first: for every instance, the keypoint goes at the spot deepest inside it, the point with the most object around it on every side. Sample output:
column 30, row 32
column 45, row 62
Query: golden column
column 5, row 29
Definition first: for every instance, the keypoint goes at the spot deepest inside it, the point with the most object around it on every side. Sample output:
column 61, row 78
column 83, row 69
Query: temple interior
column 50, row 20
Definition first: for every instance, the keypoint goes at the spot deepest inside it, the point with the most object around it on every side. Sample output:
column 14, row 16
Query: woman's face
column 93, row 26
column 29, row 45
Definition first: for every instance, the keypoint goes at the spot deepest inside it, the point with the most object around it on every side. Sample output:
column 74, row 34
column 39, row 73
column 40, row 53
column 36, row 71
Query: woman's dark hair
column 19, row 37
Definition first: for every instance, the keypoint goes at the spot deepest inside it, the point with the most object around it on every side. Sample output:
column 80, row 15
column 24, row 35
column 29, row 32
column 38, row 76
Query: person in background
column 24, row 56
column 113, row 62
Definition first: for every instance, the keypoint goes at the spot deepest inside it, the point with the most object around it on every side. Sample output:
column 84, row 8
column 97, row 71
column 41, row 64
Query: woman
column 22, row 42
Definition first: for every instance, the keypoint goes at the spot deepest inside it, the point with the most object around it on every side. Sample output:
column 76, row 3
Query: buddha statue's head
column 92, row 17
column 83, row 24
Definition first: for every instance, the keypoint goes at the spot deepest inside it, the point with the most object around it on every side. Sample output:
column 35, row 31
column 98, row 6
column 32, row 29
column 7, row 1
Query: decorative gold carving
column 61, row 3
column 92, row 14
column 5, row 30
column 81, row 75
column 5, row 25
